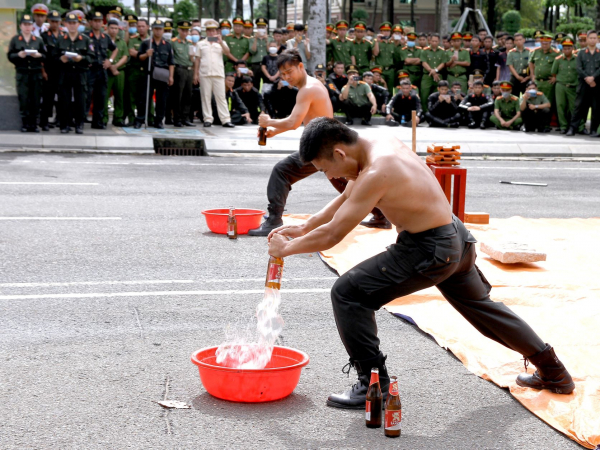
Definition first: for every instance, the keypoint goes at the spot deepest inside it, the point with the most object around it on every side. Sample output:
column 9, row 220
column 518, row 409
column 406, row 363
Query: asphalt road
column 99, row 317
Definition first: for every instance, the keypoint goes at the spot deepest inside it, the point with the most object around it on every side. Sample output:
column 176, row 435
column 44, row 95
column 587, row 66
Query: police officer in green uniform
column 535, row 109
column 116, row 12
column 239, row 45
column 582, row 40
column 181, row 91
column 104, row 52
column 433, row 59
column 329, row 28
column 409, row 59
column 358, row 99
column 116, row 75
column 136, row 71
column 76, row 52
column 385, row 58
column 404, row 75
column 540, row 66
column 340, row 46
column 51, row 68
column 161, row 76
column 517, row 61
column 458, row 63
column 27, row 53
column 564, row 71
column 507, row 114
column 258, row 49
column 361, row 50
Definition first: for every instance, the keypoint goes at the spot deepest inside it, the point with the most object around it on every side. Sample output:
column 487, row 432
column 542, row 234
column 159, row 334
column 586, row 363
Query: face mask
column 195, row 38
column 369, row 38
column 506, row 95
column 532, row 92
column 132, row 30
column 225, row 31
column 411, row 43
column 272, row 50
column 538, row 44
column 261, row 31
column 397, row 37
column 167, row 36
column 81, row 28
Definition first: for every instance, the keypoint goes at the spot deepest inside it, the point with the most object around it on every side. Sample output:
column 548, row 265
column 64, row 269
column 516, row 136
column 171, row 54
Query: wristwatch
column 111, row 60
column 436, row 71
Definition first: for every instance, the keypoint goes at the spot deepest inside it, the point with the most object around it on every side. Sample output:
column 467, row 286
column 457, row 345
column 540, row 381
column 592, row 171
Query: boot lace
column 525, row 362
column 346, row 369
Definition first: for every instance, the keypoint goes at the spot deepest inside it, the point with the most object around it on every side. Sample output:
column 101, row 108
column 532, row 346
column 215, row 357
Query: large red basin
column 247, row 219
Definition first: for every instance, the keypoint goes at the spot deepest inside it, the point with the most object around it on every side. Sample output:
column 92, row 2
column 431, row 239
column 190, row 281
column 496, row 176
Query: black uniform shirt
column 102, row 46
column 481, row 100
column 51, row 43
column 404, row 105
column 441, row 108
column 29, row 63
column 81, row 45
column 339, row 81
column 235, row 102
column 381, row 95
column 251, row 99
column 588, row 65
column 163, row 53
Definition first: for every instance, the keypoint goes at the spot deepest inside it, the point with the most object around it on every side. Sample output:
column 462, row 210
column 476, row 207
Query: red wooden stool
column 444, row 176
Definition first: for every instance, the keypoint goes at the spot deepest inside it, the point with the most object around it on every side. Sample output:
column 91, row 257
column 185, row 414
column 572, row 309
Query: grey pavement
column 242, row 139
column 98, row 314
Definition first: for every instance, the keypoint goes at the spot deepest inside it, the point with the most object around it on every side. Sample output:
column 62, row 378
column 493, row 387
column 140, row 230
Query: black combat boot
column 272, row 222
column 377, row 221
column 355, row 397
column 551, row 374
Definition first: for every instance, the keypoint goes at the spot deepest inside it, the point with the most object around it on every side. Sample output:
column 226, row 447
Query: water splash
column 248, row 348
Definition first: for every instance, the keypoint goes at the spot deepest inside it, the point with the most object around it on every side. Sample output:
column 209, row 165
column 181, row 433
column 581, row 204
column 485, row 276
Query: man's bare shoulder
column 388, row 154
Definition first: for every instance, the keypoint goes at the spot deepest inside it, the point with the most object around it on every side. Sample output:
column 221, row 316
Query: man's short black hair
column 246, row 79
column 480, row 30
column 230, row 74
column 478, row 83
column 277, row 31
column 320, row 136
column 519, row 35
column 496, row 83
column 337, row 63
column 143, row 19
column 289, row 56
column 446, row 37
column 508, row 37
column 422, row 35
column 443, row 83
column 456, row 83
column 405, row 83
column 531, row 83
column 592, row 32
column 298, row 27
column 488, row 37
column 432, row 35
column 476, row 37
column 371, row 29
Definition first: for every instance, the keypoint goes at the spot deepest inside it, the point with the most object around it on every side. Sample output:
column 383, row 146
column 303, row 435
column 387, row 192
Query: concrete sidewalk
column 242, row 139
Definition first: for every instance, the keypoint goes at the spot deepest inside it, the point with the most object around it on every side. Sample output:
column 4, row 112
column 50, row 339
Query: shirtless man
column 433, row 249
column 312, row 102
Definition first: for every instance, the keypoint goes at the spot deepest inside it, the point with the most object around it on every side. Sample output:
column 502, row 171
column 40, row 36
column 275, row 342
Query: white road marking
column 60, row 218
column 154, row 294
column 49, row 183
column 94, row 283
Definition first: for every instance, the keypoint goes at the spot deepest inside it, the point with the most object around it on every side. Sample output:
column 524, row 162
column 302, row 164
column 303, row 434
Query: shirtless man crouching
column 433, row 249
column 312, row 102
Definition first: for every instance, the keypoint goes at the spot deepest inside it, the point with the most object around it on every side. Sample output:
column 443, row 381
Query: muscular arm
column 303, row 102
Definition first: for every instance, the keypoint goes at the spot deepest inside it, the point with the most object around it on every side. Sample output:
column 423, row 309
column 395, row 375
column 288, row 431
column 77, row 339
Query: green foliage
column 575, row 25
column 261, row 9
column 360, row 14
column 532, row 12
column 511, row 21
column 184, row 10
column 527, row 32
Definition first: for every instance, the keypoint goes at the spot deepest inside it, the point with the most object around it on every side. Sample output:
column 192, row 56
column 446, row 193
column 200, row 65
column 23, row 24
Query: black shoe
column 377, row 221
column 187, row 123
column 79, row 129
column 178, row 125
column 266, row 227
column 563, row 131
column 472, row 125
column 33, row 129
column 228, row 125
column 453, row 125
column 570, row 132
column 366, row 123
column 65, row 130
column 355, row 397
column 551, row 374
column 24, row 129
column 45, row 128
column 159, row 125
column 392, row 123
column 594, row 134
column 137, row 125
column 168, row 122
column 207, row 124
column 98, row 126
column 86, row 120
column 584, row 131
column 483, row 126
column 349, row 122
column 118, row 124
column 545, row 130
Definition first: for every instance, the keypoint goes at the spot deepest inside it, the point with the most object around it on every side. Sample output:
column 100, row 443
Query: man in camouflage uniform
column 564, row 71
column 136, row 71
column 517, row 61
column 116, row 75
column 540, row 66
column 458, row 63
column 507, row 114
column 408, row 58
column 258, row 50
column 385, row 57
column 361, row 50
column 340, row 46
column 434, row 60
column 239, row 45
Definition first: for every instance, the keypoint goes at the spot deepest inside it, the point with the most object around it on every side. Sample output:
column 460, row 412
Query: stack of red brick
column 443, row 154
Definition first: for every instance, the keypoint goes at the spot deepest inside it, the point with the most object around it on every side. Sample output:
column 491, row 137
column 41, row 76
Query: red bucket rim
column 304, row 362
column 255, row 213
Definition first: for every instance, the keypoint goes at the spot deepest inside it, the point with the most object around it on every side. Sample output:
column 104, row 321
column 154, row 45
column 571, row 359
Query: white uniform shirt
column 211, row 58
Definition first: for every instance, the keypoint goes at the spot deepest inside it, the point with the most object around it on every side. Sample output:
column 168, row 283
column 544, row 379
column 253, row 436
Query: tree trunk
column 597, row 14
column 556, row 17
column 390, row 11
column 546, row 17
column 437, row 15
column 216, row 12
column 491, row 16
column 374, row 13
column 444, row 17
column 343, row 15
column 239, row 8
column 268, row 13
column 518, row 5
column 351, row 11
column 281, row 13
column 137, row 8
column 305, row 12
column 412, row 14
column 252, row 10
column 316, row 25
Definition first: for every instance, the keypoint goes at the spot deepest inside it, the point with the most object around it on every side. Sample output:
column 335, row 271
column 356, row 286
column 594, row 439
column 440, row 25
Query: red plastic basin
column 274, row 382
column 247, row 219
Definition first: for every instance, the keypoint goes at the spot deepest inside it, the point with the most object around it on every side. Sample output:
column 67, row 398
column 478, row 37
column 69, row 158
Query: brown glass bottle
column 374, row 401
column 274, row 273
column 393, row 411
column 232, row 224
column 262, row 136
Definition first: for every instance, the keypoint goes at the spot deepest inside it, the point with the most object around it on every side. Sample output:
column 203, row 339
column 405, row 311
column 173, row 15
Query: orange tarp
column 559, row 298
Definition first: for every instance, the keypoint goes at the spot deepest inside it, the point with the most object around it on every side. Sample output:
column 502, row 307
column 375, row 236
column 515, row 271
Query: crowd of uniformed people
column 72, row 67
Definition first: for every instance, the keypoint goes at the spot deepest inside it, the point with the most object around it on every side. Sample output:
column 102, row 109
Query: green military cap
column 54, row 15
column 116, row 10
column 467, row 36
column 96, row 15
column 506, row 85
column 341, row 24
column 158, row 24
column 456, row 35
column 351, row 69
column 168, row 25
column 26, row 19
column 412, row 36
column 477, row 73
column 567, row 41
column 248, row 24
column 397, row 28
column 131, row 18
column 376, row 69
column 403, row 74
column 113, row 22
column 538, row 33
column 546, row 38
column 225, row 24
column 320, row 68
column 70, row 17
column 261, row 22
column 385, row 26
column 184, row 24
column 360, row 25
column 238, row 21
column 559, row 36
column 329, row 27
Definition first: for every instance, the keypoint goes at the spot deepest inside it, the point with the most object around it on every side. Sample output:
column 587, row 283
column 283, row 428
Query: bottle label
column 274, row 273
column 394, row 388
column 374, row 378
column 393, row 420
column 368, row 410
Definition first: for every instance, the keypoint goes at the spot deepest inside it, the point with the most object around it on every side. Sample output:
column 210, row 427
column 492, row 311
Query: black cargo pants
column 443, row 257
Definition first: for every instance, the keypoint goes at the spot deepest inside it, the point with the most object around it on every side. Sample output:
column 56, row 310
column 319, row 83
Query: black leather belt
column 457, row 74
column 568, row 85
